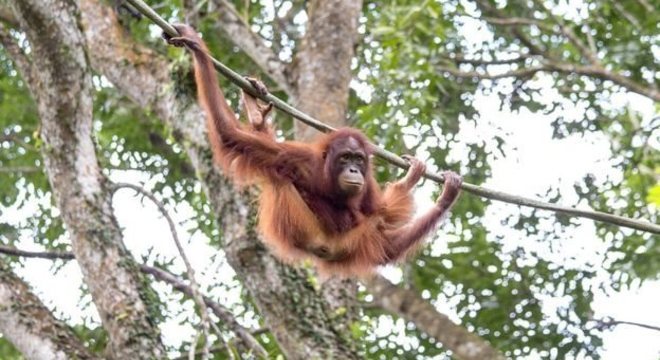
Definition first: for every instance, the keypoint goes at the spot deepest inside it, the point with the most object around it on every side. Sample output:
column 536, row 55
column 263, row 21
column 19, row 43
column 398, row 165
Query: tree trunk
column 410, row 306
column 62, row 88
column 30, row 326
column 323, row 64
column 293, row 310
column 322, row 76
column 306, row 321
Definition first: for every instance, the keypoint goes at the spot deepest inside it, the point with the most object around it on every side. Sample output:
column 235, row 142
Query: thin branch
column 15, row 138
column 31, row 327
column 393, row 158
column 197, row 297
column 19, row 169
column 224, row 314
column 191, row 11
column 408, row 305
column 609, row 322
column 193, row 345
column 516, row 21
column 603, row 74
column 565, row 30
column 549, row 66
column 595, row 69
column 232, row 23
column 220, row 311
column 22, row 61
column 591, row 41
column 584, row 50
column 282, row 23
column 215, row 349
column 627, row 15
column 647, row 6
column 645, row 326
column 519, row 73
column 479, row 62
column 7, row 16
column 221, row 349
column 516, row 31
column 534, row 49
column 51, row 255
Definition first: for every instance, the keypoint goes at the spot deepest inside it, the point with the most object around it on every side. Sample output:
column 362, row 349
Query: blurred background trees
column 545, row 99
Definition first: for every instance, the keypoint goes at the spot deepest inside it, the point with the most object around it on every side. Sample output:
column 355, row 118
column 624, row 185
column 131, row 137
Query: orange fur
column 302, row 213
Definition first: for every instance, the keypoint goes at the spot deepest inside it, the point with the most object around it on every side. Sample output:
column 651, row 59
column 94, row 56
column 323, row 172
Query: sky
column 528, row 138
column 533, row 163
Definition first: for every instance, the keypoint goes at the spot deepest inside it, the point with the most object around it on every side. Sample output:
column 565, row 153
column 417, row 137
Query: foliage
column 499, row 292
column 410, row 60
column 8, row 351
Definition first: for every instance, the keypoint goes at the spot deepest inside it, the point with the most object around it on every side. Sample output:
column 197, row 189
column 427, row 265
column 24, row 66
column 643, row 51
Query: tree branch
column 144, row 76
column 519, row 73
column 396, row 160
column 627, row 15
column 595, row 69
column 17, row 54
column 534, row 49
column 609, row 322
column 191, row 11
column 197, row 297
column 30, row 326
column 50, row 255
column 7, row 17
column 561, row 29
column 479, row 62
column 224, row 314
column 550, row 66
column 404, row 303
column 515, row 21
column 603, row 74
column 20, row 169
column 63, row 89
column 220, row 311
column 408, row 305
column 565, row 30
column 647, row 6
column 252, row 44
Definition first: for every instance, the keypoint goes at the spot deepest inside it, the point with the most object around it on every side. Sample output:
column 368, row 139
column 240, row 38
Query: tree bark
column 323, row 65
column 322, row 74
column 293, row 310
column 410, row 306
column 304, row 324
column 252, row 44
column 62, row 88
column 30, row 326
